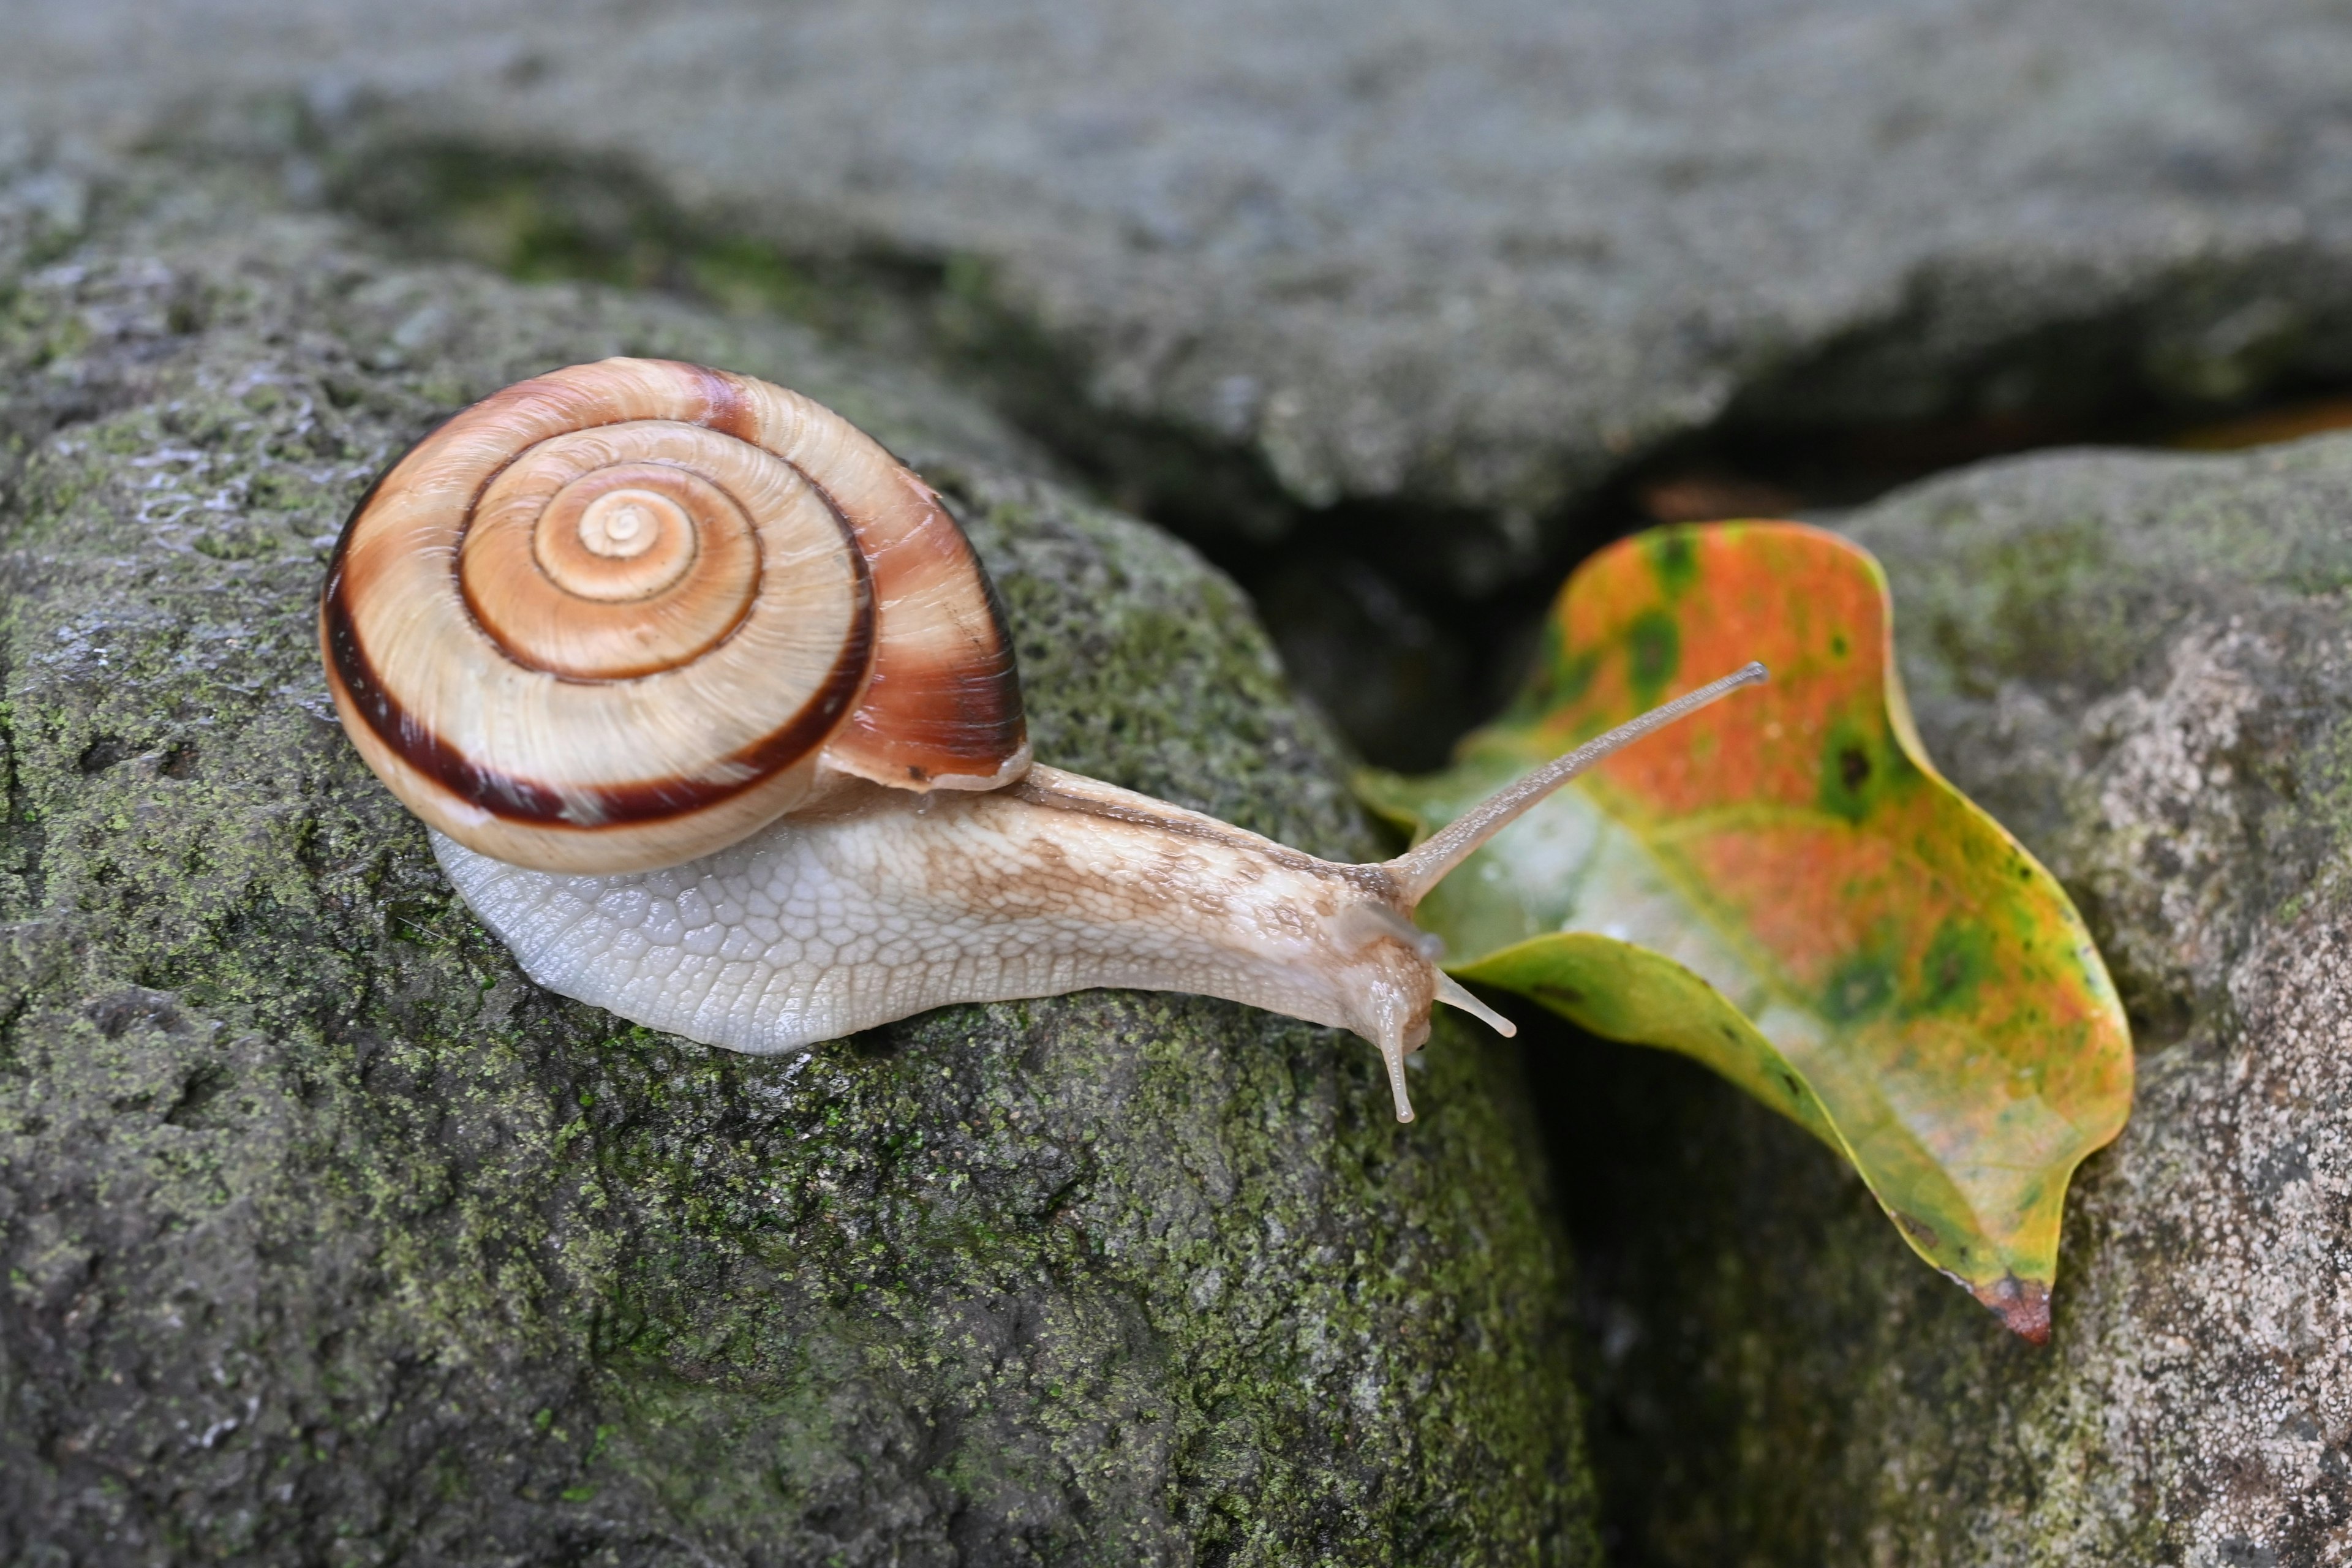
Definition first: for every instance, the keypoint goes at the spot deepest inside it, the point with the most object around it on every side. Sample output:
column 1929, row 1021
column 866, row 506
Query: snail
column 712, row 713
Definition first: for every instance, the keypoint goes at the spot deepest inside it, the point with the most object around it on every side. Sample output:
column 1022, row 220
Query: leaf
column 1783, row 888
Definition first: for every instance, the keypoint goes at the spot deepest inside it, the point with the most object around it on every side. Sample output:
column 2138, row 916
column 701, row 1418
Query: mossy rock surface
column 2143, row 664
column 329, row 1239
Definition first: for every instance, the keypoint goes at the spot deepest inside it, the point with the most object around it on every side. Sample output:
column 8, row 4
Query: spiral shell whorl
column 610, row 617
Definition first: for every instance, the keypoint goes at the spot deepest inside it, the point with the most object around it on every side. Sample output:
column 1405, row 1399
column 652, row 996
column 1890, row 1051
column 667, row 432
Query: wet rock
column 329, row 1239
column 2144, row 665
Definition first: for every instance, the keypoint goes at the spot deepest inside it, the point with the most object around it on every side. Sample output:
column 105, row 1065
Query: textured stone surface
column 2145, row 666
column 325, row 1237
column 1474, row 255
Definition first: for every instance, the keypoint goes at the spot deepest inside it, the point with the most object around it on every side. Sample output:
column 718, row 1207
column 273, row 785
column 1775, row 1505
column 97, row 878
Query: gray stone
column 1478, row 255
column 2144, row 665
column 326, row 1238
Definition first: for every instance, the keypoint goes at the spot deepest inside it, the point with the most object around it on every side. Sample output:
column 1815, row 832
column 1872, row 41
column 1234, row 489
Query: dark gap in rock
column 103, row 753
column 205, row 1084
column 12, row 1018
column 875, row 1044
column 1762, row 462
column 1652, row 1159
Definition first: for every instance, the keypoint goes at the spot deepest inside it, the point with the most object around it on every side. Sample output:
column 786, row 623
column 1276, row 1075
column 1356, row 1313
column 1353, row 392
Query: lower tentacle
column 1392, row 1053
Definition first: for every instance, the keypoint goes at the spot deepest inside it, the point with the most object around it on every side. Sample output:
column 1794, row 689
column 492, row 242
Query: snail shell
column 622, row 615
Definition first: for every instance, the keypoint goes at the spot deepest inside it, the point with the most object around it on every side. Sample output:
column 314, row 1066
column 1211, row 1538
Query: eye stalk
column 662, row 853
column 1427, row 863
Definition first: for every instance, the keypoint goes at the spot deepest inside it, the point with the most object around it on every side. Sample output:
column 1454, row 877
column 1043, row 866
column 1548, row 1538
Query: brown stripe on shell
column 526, row 800
column 947, row 710
column 725, row 407
column 942, row 706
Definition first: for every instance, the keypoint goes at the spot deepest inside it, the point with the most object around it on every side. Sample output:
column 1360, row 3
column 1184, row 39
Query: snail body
column 875, row 903
column 713, row 715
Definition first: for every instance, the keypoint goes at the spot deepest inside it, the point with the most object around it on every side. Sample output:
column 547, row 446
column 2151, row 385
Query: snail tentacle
column 1426, row 864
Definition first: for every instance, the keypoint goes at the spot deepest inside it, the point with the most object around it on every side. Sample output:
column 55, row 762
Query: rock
column 1480, row 255
column 329, row 1239
column 2143, row 665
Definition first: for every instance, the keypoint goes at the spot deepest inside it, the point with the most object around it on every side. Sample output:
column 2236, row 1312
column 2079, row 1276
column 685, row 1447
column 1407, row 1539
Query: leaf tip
column 2023, row 1306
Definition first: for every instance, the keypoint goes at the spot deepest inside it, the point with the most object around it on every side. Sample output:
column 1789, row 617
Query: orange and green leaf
column 1783, row 888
